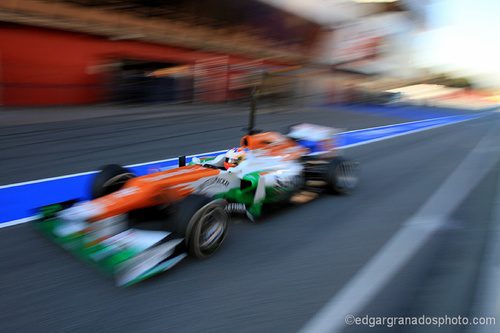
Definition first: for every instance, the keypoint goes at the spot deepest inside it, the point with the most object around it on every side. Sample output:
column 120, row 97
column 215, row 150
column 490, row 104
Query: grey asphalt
column 52, row 143
column 272, row 276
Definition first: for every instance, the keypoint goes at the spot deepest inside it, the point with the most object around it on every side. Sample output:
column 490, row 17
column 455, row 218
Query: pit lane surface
column 271, row 276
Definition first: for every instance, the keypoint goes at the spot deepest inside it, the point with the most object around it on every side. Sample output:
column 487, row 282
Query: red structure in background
column 211, row 79
column 52, row 67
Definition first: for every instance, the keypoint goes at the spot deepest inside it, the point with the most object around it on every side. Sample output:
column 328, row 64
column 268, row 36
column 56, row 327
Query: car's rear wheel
column 341, row 175
column 203, row 222
column 109, row 179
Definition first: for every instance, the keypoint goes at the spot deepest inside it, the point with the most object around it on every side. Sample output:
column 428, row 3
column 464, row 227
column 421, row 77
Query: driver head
column 234, row 157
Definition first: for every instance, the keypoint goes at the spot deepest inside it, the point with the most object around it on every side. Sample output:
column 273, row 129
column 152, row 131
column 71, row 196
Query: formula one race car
column 137, row 226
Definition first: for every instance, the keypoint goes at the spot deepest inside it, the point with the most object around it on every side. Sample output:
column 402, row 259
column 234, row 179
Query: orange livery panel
column 150, row 190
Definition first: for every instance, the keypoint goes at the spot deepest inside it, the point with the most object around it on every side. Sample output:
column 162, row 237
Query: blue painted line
column 363, row 135
column 403, row 111
column 19, row 201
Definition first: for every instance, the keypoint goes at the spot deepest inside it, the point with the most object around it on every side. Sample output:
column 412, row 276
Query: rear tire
column 111, row 178
column 203, row 223
column 341, row 176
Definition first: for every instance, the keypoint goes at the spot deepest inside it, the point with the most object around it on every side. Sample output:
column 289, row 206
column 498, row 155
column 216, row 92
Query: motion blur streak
column 90, row 83
column 415, row 233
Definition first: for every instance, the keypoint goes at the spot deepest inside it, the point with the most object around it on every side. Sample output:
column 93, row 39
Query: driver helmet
column 234, row 157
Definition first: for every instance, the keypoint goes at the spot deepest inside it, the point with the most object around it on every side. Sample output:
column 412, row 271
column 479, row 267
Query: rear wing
column 318, row 139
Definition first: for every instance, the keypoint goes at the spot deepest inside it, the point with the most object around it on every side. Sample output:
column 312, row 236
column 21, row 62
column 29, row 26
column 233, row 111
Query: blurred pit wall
column 40, row 66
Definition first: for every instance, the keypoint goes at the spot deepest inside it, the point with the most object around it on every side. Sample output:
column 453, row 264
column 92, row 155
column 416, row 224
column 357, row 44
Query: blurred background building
column 61, row 52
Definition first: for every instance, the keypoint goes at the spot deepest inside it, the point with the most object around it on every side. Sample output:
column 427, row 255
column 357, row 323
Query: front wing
column 128, row 255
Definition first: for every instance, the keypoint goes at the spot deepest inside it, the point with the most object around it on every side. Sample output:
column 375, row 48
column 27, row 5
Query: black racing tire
column 203, row 223
column 341, row 176
column 109, row 179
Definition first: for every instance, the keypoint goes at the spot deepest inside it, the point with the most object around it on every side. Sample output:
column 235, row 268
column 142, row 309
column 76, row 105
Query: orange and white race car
column 135, row 227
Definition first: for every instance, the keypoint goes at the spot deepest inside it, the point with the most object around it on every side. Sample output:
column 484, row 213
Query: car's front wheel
column 203, row 222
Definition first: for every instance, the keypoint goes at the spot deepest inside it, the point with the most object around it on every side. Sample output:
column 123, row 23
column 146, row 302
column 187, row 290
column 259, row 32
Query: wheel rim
column 212, row 228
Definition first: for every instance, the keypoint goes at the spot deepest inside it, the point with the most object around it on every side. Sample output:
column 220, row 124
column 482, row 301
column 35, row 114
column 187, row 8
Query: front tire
column 111, row 178
column 203, row 223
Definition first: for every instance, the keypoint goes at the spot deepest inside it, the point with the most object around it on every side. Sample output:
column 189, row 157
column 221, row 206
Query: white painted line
column 19, row 221
column 91, row 172
column 29, row 182
column 415, row 233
